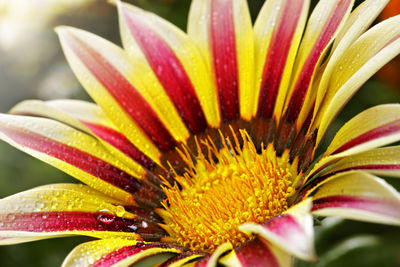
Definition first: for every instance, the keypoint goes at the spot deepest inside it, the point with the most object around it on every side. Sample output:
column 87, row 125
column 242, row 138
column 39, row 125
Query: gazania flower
column 201, row 147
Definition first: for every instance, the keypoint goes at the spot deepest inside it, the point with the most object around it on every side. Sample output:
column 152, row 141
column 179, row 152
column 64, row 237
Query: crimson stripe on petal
column 123, row 92
column 385, row 167
column 303, row 81
column 88, row 163
column 276, row 57
column 54, row 221
column 284, row 226
column 125, row 252
column 256, row 254
column 170, row 73
column 382, row 131
column 223, row 47
column 119, row 141
column 379, row 206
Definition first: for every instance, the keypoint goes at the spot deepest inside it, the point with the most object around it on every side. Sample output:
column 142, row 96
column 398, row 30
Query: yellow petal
column 170, row 64
column 115, row 252
column 374, row 127
column 360, row 19
column 222, row 30
column 100, row 80
column 61, row 210
column 358, row 196
column 80, row 115
column 366, row 56
column 72, row 151
column 277, row 33
column 380, row 161
column 326, row 20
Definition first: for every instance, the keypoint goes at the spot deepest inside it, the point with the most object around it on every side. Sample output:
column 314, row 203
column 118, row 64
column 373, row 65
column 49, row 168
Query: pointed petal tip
column 61, row 29
column 118, row 3
column 131, row 8
column 15, row 108
column 114, row 2
column 65, row 30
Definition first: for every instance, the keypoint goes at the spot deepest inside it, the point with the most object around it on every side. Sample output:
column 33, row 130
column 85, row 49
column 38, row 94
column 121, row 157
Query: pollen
column 222, row 189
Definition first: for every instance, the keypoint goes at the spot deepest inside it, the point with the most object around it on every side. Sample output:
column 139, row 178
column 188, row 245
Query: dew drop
column 120, row 211
column 133, row 227
column 107, row 219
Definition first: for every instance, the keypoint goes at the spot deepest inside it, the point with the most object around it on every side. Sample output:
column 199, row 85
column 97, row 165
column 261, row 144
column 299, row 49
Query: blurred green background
column 32, row 66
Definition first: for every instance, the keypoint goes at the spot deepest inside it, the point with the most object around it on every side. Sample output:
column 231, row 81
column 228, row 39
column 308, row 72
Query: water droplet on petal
column 107, row 219
column 120, row 211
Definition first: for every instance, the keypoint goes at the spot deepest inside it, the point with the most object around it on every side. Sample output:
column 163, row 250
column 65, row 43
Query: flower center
column 223, row 189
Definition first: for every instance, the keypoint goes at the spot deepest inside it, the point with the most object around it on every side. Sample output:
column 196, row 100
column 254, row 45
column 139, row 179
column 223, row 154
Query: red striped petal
column 277, row 56
column 123, row 92
column 88, row 118
column 284, row 226
column 76, row 221
column 303, row 81
column 142, row 191
column 119, row 141
column 357, row 195
column 386, row 167
column 223, row 47
column 127, row 251
column 169, row 71
column 379, row 206
column 292, row 231
column 118, row 252
column 256, row 254
column 379, row 132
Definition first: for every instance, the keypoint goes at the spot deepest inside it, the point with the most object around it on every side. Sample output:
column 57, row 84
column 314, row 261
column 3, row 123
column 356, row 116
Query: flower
column 202, row 146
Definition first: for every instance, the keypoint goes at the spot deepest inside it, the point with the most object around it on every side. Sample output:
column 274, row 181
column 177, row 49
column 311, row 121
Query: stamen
column 222, row 189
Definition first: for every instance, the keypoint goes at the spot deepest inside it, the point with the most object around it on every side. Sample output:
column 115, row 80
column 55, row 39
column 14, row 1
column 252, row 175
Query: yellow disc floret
column 223, row 189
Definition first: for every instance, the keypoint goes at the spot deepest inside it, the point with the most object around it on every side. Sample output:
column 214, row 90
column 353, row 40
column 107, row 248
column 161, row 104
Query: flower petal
column 182, row 259
column 38, row 108
column 114, row 252
column 292, row 231
column 360, row 196
column 79, row 155
column 172, row 68
column 69, row 209
column 361, row 60
column 106, row 73
column 277, row 33
column 360, row 19
column 374, row 127
column 380, row 161
column 324, row 23
column 223, row 31
column 257, row 253
column 213, row 260
column 89, row 118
